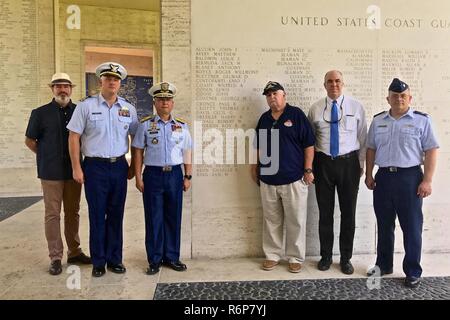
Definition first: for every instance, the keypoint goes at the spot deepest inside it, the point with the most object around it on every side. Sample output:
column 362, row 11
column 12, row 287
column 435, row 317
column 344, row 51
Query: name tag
column 94, row 113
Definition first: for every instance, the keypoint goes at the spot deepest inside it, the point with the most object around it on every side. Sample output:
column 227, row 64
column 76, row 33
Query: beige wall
column 26, row 66
column 237, row 46
column 135, row 65
column 108, row 27
column 176, row 68
column 32, row 41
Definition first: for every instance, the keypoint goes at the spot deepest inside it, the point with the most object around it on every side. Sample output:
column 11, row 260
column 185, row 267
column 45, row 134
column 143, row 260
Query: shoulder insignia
column 379, row 113
column 85, row 98
column 421, row 113
column 180, row 120
column 150, row 117
column 123, row 98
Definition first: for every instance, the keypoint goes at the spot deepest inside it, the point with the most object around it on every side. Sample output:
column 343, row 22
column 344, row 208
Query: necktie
column 334, row 130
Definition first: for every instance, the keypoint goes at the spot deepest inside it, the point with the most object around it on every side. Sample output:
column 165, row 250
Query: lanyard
column 326, row 106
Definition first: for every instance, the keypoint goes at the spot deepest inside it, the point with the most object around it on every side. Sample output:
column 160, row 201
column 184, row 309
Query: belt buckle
column 392, row 169
column 167, row 168
column 113, row 159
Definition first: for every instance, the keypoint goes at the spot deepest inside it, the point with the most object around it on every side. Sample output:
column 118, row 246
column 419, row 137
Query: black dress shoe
column 412, row 282
column 153, row 268
column 346, row 267
column 324, row 264
column 81, row 258
column 55, row 268
column 374, row 270
column 117, row 268
column 98, row 271
column 175, row 265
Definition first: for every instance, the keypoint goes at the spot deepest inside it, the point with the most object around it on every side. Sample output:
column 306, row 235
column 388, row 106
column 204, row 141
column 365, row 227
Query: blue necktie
column 334, row 130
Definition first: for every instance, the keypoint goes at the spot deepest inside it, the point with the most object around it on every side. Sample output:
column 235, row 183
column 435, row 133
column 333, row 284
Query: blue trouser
column 105, row 187
column 396, row 194
column 163, row 202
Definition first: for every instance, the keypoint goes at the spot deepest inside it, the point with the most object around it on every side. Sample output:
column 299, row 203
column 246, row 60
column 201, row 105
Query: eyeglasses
column 326, row 106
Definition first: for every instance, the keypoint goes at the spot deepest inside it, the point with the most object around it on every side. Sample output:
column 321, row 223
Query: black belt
column 164, row 168
column 110, row 160
column 342, row 156
column 397, row 169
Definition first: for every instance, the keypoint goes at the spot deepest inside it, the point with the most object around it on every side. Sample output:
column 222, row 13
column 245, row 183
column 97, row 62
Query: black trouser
column 341, row 173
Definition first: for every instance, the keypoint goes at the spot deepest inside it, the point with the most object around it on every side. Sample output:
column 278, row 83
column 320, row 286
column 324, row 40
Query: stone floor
column 24, row 264
column 11, row 205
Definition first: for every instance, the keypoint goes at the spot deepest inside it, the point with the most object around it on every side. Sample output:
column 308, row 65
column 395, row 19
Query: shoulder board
column 123, row 98
column 85, row 98
column 421, row 113
column 151, row 117
column 379, row 113
column 180, row 120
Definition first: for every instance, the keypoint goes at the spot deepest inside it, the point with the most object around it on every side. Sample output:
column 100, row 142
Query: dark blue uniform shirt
column 47, row 125
column 295, row 134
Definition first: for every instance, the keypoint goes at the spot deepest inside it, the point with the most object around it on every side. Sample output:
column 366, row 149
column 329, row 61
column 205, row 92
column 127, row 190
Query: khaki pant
column 284, row 208
column 55, row 193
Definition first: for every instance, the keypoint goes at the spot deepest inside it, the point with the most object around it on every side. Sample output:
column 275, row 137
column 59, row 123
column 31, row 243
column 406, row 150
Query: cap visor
column 163, row 95
column 108, row 73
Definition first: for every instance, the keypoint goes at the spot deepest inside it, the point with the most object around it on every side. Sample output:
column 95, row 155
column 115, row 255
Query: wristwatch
column 188, row 176
column 308, row 170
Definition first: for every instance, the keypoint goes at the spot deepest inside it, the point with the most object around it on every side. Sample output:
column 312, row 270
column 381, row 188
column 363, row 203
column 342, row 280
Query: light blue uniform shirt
column 164, row 142
column 104, row 131
column 402, row 142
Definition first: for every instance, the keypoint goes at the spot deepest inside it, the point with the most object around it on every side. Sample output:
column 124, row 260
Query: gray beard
column 62, row 100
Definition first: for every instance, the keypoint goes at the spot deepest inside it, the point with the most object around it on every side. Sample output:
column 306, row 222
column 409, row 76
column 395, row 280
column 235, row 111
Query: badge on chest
column 153, row 130
column 177, row 128
column 124, row 112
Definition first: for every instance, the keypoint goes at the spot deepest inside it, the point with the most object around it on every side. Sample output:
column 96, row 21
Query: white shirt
column 104, row 130
column 352, row 125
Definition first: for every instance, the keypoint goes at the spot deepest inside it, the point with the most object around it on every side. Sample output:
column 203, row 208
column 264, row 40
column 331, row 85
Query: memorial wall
column 26, row 65
column 220, row 54
column 237, row 46
column 30, row 34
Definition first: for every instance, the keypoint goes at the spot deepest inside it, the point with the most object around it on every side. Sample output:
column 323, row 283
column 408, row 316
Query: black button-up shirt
column 47, row 125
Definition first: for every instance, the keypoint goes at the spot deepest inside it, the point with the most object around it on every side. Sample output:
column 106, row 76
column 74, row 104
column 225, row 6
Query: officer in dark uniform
column 167, row 144
column 103, row 125
column 399, row 142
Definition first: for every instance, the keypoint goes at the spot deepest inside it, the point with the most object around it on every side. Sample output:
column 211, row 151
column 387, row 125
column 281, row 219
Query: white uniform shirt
column 352, row 125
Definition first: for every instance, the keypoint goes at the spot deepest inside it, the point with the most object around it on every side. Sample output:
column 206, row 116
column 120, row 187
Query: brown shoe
column 294, row 267
column 81, row 259
column 269, row 265
column 55, row 268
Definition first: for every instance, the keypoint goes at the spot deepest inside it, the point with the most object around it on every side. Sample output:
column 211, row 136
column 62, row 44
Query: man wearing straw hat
column 47, row 137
